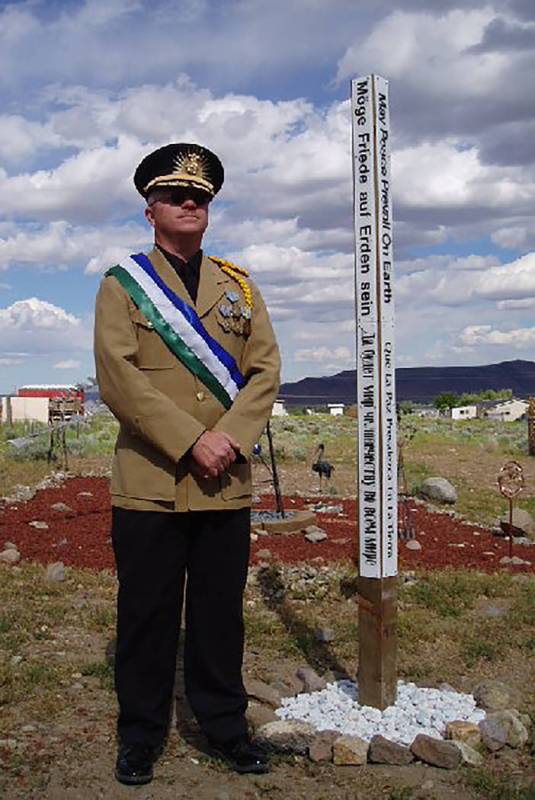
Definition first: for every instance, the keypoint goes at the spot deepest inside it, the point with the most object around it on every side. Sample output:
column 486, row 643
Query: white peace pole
column 377, row 450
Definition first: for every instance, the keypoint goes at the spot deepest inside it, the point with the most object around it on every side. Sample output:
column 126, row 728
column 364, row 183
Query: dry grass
column 56, row 685
column 54, row 675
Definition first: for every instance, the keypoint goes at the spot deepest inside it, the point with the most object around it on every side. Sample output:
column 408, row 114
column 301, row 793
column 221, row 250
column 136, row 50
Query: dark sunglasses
column 177, row 196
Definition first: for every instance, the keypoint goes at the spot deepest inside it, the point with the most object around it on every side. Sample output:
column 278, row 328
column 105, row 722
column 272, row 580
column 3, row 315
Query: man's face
column 177, row 211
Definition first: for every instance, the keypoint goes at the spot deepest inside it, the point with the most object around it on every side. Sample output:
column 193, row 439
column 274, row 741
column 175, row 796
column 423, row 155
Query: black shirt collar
column 178, row 263
column 189, row 271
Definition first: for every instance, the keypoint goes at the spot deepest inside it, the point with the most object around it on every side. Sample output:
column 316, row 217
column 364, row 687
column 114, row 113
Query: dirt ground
column 57, row 720
column 57, row 742
column 69, row 755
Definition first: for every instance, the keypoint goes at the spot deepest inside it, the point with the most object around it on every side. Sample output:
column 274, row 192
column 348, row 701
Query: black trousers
column 155, row 552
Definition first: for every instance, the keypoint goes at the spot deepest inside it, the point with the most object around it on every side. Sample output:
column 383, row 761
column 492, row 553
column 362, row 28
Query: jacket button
column 200, row 396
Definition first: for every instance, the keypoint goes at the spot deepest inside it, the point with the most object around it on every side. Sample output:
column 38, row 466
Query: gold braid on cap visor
column 192, row 169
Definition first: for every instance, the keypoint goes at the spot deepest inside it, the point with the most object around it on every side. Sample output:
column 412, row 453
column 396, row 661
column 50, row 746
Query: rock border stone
column 463, row 743
column 294, row 524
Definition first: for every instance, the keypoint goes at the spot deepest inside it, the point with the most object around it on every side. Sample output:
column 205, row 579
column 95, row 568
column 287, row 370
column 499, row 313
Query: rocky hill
column 419, row 384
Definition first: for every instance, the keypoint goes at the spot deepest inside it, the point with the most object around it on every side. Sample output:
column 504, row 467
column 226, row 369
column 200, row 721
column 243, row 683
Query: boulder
column 502, row 728
column 321, row 748
column 312, row 682
column 469, row 756
column 61, row 507
column 494, row 695
column 350, row 751
column 258, row 715
column 55, row 572
column 437, row 752
column 285, row 681
column 523, row 524
column 286, row 736
column 525, row 719
column 20, row 494
column 413, row 544
column 439, row 490
column 314, row 534
column 518, row 562
column 460, row 731
column 258, row 690
column 383, row 751
column 10, row 556
column 515, row 561
column 324, row 634
column 322, row 508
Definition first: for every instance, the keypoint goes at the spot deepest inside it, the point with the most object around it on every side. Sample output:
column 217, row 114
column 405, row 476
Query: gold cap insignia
column 191, row 164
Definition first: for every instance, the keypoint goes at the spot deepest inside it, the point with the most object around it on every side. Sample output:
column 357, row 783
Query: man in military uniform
column 188, row 363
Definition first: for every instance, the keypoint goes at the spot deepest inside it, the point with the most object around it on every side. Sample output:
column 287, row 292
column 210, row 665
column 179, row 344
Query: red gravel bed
column 81, row 537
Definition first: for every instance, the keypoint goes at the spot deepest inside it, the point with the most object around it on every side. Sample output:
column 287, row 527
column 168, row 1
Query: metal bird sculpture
column 324, row 468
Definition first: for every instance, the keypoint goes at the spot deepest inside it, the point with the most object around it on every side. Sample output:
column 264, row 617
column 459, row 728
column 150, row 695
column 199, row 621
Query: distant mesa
column 419, row 384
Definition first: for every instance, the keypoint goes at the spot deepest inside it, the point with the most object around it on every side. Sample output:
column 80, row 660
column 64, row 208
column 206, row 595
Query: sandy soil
column 71, row 747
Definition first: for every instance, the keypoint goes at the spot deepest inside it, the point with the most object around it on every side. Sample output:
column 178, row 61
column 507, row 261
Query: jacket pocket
column 236, row 481
column 139, row 471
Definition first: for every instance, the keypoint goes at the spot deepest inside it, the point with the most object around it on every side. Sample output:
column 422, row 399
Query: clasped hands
column 213, row 453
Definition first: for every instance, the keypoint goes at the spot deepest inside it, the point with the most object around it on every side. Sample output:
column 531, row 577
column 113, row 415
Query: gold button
column 200, row 396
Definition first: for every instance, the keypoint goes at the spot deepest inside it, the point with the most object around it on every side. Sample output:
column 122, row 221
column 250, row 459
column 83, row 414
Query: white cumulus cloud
column 69, row 363
column 321, row 354
column 518, row 339
column 59, row 245
column 37, row 326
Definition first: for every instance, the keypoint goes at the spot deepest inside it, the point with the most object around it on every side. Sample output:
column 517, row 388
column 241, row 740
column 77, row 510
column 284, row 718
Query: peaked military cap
column 180, row 164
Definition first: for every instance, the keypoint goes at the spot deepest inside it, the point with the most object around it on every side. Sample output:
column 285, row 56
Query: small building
column 20, row 409
column 64, row 399
column 43, row 403
column 336, row 409
column 464, row 412
column 506, row 411
column 56, row 390
column 279, row 409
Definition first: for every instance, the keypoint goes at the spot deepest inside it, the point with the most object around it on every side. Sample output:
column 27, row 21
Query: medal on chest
column 234, row 316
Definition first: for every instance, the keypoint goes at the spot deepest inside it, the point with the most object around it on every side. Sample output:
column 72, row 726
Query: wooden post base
column 377, row 673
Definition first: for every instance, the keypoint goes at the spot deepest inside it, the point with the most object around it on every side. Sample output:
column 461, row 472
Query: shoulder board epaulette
column 222, row 262
column 238, row 274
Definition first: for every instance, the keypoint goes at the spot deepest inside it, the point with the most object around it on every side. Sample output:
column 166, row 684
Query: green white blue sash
column 180, row 328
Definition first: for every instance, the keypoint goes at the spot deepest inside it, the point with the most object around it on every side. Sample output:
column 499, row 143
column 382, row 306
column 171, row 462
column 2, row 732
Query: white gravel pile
column 415, row 711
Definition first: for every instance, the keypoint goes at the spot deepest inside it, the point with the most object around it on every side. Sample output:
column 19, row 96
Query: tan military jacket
column 163, row 408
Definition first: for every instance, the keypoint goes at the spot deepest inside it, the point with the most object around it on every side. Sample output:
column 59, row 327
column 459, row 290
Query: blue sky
column 88, row 88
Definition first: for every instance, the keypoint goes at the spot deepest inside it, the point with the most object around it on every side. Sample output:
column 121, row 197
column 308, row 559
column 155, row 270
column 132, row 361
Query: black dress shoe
column 241, row 755
column 134, row 763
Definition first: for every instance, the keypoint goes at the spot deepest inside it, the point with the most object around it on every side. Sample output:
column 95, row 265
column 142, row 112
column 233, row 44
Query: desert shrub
column 299, row 454
column 289, row 425
column 84, row 446
column 36, row 450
